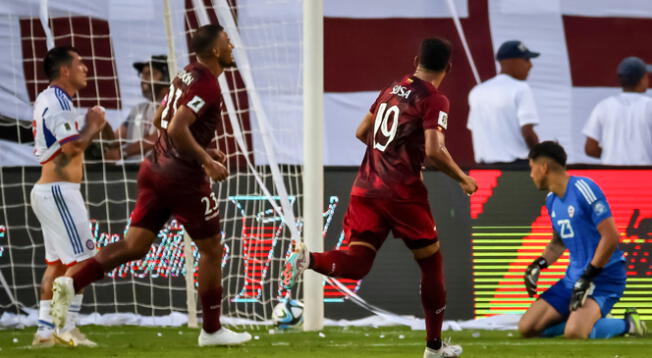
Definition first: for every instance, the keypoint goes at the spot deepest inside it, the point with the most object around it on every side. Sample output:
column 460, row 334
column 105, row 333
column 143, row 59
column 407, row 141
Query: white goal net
column 261, row 133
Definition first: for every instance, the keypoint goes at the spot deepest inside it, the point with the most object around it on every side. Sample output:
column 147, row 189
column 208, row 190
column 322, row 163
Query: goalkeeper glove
column 584, row 287
column 532, row 275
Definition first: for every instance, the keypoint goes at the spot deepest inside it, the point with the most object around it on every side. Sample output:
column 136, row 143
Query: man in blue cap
column 619, row 130
column 502, row 112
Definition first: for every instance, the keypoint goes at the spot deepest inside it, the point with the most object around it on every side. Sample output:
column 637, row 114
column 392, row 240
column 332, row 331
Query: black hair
column 629, row 82
column 435, row 53
column 204, row 37
column 549, row 149
column 55, row 58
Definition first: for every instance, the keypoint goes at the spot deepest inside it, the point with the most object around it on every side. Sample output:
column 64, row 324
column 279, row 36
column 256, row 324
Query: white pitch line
column 538, row 343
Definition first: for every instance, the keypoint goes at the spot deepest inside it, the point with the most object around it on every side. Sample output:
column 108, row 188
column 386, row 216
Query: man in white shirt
column 502, row 112
column 137, row 134
column 619, row 130
column 60, row 138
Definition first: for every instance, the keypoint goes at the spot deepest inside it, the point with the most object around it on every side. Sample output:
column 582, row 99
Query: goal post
column 313, row 167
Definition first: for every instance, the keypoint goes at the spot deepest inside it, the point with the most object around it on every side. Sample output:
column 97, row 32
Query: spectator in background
column 502, row 112
column 137, row 134
column 619, row 130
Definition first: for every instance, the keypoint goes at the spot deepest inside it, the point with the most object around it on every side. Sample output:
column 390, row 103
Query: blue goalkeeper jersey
column 575, row 217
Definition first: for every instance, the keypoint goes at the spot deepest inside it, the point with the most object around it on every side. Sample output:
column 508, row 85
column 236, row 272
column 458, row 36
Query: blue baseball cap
column 514, row 49
column 633, row 69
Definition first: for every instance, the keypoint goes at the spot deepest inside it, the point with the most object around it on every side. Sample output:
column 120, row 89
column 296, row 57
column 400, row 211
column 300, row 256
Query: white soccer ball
column 287, row 313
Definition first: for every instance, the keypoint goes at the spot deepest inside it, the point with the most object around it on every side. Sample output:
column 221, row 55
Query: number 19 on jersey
column 383, row 117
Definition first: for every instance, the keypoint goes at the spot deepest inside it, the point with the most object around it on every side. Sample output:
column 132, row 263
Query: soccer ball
column 287, row 313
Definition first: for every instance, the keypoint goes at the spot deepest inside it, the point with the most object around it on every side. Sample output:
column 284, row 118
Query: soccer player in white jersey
column 60, row 138
column 576, row 306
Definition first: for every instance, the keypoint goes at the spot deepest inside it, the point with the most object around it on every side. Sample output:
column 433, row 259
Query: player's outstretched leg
column 134, row 246
column 353, row 263
column 296, row 263
column 210, row 295
column 433, row 299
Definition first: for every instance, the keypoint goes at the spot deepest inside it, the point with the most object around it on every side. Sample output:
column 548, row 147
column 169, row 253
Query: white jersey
column 622, row 125
column 54, row 123
column 498, row 108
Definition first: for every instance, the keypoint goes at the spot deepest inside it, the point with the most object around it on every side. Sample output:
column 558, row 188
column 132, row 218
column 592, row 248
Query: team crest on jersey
column 599, row 208
column 553, row 214
column 443, row 120
column 571, row 211
column 67, row 125
column 90, row 244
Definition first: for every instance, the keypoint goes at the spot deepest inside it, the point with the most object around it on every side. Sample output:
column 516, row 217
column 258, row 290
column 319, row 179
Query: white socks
column 45, row 323
column 73, row 313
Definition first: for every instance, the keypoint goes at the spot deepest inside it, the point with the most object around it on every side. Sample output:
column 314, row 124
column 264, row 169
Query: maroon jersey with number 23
column 391, row 168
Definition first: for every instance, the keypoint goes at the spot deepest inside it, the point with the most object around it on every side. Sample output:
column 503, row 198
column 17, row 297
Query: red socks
column 433, row 294
column 88, row 272
column 211, row 302
column 353, row 263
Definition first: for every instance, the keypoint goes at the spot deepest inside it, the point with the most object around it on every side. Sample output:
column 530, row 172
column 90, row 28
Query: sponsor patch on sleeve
column 443, row 120
column 196, row 104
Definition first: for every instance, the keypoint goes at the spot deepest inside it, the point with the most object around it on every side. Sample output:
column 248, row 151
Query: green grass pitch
column 159, row 342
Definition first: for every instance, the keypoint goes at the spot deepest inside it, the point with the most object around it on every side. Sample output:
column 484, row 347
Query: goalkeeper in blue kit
column 576, row 306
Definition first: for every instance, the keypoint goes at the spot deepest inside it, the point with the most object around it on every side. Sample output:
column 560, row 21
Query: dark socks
column 433, row 297
column 211, row 302
column 89, row 272
column 434, row 344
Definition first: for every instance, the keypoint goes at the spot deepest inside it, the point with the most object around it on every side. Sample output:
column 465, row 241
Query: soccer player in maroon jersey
column 174, row 179
column 403, row 129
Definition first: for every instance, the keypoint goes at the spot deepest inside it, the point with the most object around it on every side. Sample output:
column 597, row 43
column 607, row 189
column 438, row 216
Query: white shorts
column 62, row 213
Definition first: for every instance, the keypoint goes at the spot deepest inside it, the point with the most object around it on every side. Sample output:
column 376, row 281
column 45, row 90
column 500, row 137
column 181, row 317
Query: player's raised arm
column 179, row 132
column 94, row 123
column 437, row 153
column 550, row 255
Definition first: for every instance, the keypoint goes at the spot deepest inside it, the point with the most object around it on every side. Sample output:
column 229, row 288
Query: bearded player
column 174, row 179
column 404, row 127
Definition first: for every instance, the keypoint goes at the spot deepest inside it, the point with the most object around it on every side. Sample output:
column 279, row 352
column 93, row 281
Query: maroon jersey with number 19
column 391, row 168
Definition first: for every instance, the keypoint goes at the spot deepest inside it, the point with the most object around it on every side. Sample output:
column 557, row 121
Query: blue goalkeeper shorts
column 609, row 288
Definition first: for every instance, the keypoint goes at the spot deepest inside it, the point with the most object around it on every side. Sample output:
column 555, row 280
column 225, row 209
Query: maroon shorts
column 371, row 219
column 192, row 202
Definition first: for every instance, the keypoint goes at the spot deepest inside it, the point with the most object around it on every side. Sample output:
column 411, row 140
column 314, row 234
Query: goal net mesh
column 261, row 132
